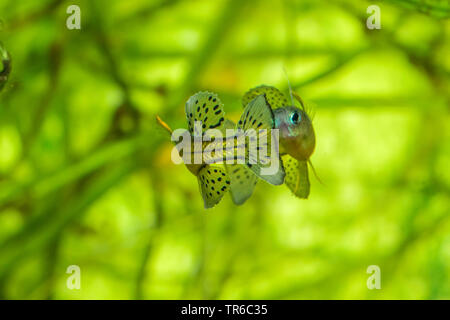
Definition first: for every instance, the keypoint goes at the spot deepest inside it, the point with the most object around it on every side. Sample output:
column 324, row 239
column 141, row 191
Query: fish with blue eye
column 297, row 144
column 205, row 112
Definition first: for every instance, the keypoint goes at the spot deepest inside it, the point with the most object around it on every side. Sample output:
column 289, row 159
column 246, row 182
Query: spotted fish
column 205, row 113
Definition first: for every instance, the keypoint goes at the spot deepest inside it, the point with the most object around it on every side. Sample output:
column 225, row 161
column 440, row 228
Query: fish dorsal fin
column 213, row 183
column 258, row 116
column 296, row 179
column 274, row 97
column 207, row 108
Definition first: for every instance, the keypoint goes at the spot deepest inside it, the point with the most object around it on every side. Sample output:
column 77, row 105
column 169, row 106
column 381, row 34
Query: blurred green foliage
column 86, row 177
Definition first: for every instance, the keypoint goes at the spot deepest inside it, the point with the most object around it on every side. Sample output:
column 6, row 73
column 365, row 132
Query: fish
column 297, row 142
column 205, row 114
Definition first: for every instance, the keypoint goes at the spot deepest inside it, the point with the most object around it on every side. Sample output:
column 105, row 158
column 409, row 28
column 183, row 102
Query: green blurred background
column 86, row 177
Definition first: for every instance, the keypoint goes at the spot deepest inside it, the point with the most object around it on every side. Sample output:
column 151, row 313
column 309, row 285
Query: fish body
column 206, row 119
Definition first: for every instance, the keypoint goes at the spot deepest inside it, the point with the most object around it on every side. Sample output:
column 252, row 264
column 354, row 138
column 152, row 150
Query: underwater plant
column 6, row 66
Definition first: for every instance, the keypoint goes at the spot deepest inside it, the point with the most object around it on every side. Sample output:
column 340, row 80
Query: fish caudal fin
column 213, row 183
column 274, row 97
column 263, row 158
column 297, row 179
column 164, row 125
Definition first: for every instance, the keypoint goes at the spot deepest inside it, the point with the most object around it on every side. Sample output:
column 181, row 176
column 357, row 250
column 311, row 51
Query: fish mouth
column 284, row 131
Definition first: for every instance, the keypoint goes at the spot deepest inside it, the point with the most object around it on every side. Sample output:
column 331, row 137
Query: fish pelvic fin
column 297, row 179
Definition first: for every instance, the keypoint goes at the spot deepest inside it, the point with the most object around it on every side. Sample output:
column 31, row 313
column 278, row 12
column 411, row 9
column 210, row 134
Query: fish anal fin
column 213, row 183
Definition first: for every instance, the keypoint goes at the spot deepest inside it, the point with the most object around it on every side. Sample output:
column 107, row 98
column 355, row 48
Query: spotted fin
column 213, row 183
column 242, row 179
column 296, row 178
column 243, row 182
column 274, row 97
column 207, row 108
column 258, row 116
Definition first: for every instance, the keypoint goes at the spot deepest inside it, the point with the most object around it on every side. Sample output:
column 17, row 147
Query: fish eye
column 295, row 117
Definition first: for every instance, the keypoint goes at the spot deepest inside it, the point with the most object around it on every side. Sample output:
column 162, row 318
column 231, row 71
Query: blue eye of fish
column 295, row 117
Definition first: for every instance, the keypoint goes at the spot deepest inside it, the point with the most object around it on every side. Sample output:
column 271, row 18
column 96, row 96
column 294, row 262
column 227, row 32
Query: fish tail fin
column 164, row 125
